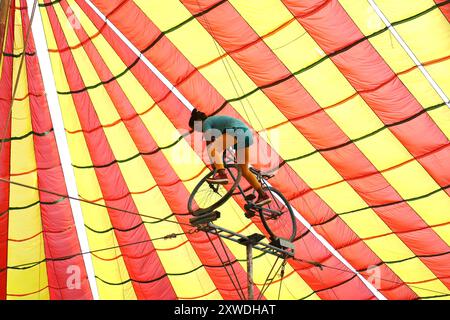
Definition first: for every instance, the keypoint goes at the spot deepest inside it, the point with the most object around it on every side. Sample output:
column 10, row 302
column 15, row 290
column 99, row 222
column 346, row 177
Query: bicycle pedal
column 249, row 207
column 249, row 214
column 250, row 197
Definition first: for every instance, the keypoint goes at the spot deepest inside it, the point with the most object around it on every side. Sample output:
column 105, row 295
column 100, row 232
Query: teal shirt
column 223, row 123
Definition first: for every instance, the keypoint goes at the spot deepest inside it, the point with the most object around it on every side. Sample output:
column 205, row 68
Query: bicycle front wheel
column 278, row 217
column 207, row 196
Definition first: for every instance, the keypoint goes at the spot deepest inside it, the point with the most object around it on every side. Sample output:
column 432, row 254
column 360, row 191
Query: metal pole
column 250, row 271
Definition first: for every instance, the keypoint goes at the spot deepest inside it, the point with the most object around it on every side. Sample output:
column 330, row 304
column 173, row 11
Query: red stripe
column 197, row 297
column 263, row 67
column 24, row 97
column 37, row 234
column 339, row 103
column 113, row 185
column 198, row 90
column 176, row 120
column 6, row 94
column 27, row 172
column 115, row 122
column 57, row 216
column 175, row 194
column 37, row 291
column 445, row 9
column 161, row 249
column 387, row 234
column 152, row 187
column 363, row 67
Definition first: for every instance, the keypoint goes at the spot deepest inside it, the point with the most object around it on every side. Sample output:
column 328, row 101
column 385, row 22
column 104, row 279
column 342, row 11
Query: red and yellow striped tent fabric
column 343, row 92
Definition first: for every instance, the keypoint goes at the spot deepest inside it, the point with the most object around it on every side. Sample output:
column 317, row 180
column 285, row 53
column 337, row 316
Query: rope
column 320, row 265
column 242, row 297
column 32, row 264
column 282, row 278
column 268, row 280
column 225, row 63
column 318, row 273
column 231, row 265
column 65, row 196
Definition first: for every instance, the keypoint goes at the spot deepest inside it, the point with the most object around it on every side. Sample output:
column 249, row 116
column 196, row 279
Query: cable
column 29, row 265
column 242, row 297
column 269, row 279
column 281, row 278
column 262, row 290
column 374, row 276
column 231, row 264
column 318, row 274
column 225, row 62
column 92, row 203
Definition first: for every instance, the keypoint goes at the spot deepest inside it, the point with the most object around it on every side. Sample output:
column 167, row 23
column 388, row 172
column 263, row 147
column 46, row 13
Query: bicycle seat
column 267, row 176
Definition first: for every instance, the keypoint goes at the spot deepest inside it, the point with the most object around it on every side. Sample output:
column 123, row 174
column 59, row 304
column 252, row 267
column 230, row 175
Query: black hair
column 196, row 116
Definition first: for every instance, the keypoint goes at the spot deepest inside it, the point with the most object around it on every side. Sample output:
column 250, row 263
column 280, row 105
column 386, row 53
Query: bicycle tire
column 222, row 200
column 292, row 218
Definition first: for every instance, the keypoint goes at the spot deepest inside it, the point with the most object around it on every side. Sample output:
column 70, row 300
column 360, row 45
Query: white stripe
column 327, row 245
column 338, row 256
column 190, row 107
column 63, row 147
column 136, row 51
column 411, row 54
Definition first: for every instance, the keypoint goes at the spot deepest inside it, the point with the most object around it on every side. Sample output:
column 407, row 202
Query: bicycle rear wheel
column 278, row 217
column 207, row 196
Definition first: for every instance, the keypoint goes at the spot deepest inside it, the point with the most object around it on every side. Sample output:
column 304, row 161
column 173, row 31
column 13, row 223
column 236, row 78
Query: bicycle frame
column 279, row 206
column 257, row 173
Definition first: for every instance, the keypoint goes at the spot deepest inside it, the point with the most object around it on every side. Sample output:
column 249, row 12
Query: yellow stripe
column 24, row 223
column 88, row 187
column 214, row 73
column 427, row 36
column 340, row 197
column 439, row 72
column 420, row 34
column 233, row 217
column 382, row 143
column 136, row 174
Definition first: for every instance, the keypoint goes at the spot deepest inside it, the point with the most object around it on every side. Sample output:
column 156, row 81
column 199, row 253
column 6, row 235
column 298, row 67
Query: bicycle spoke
column 273, row 211
column 277, row 217
column 208, row 196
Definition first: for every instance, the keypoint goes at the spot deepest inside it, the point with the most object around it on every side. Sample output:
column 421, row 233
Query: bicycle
column 277, row 217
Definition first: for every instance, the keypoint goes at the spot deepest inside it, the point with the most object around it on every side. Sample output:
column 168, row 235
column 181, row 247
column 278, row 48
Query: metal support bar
column 249, row 242
column 282, row 249
column 251, row 295
column 279, row 247
column 205, row 218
